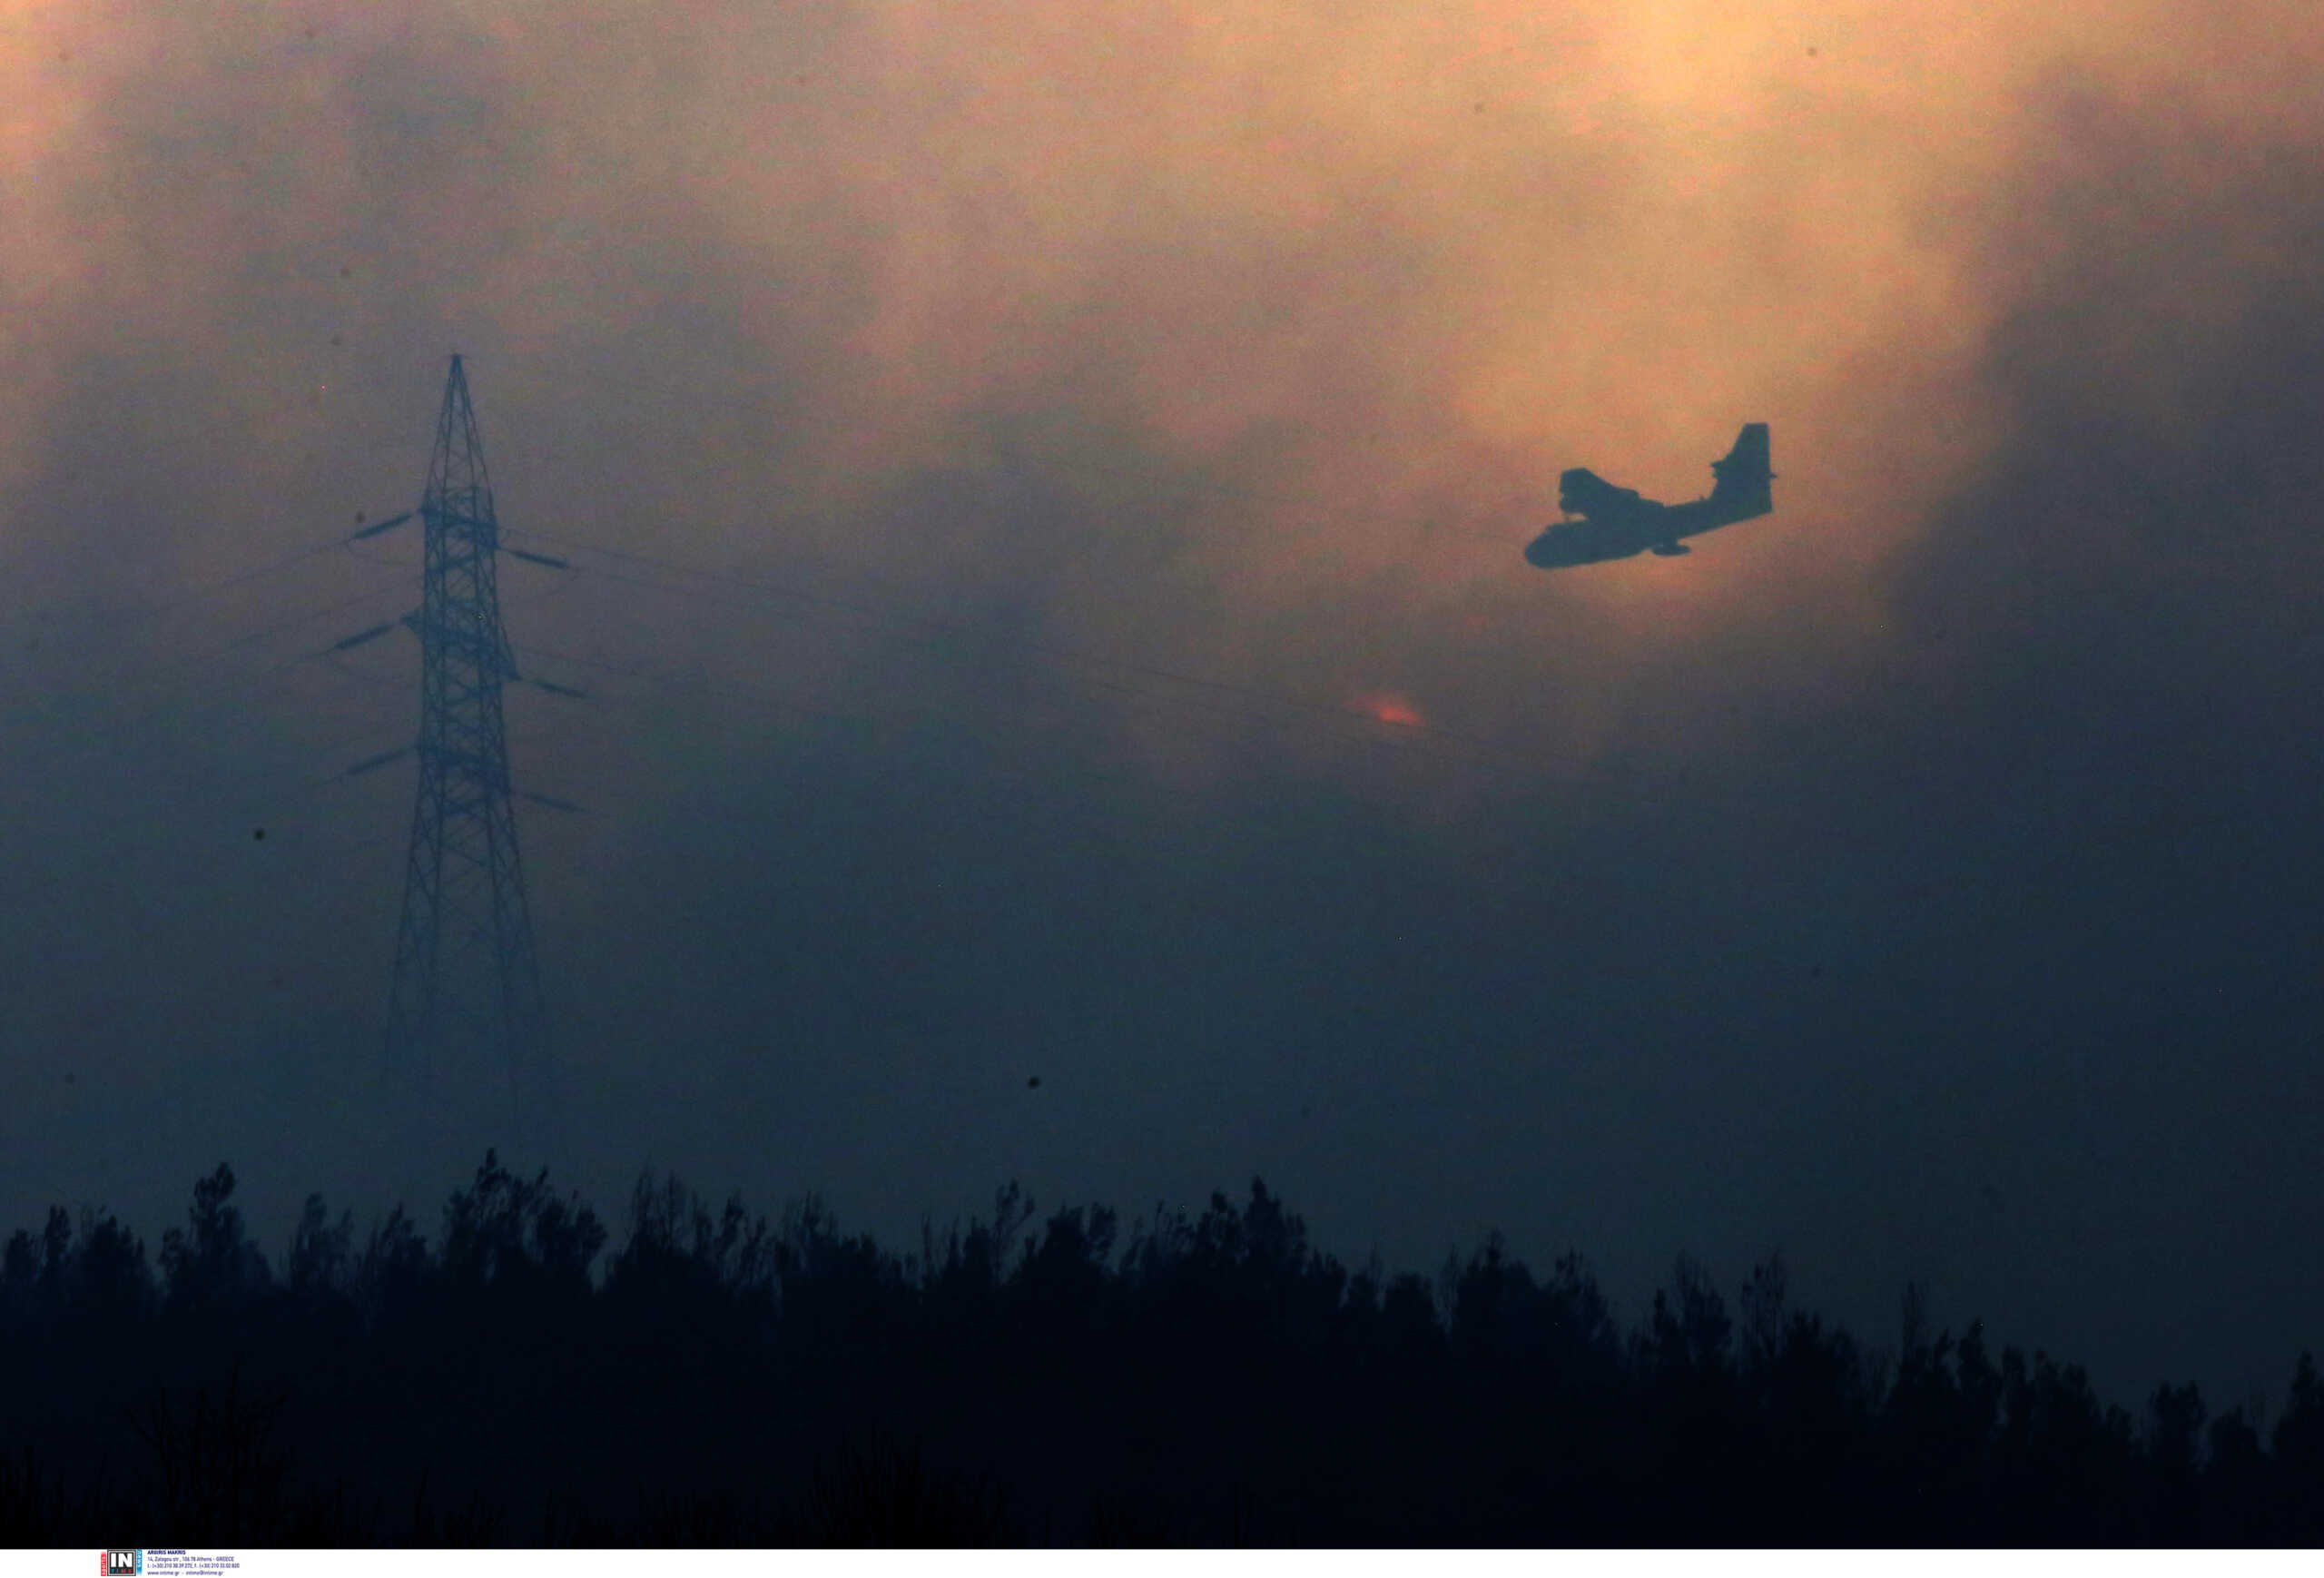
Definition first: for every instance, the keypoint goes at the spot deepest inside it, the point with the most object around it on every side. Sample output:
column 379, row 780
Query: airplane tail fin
column 1743, row 475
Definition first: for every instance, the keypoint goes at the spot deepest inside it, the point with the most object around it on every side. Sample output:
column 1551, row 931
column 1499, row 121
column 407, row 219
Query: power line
column 703, row 687
column 190, row 595
column 214, row 587
column 1468, row 873
column 180, row 665
column 229, row 425
column 934, row 631
column 1197, row 703
column 293, row 622
column 1313, row 508
column 1177, row 480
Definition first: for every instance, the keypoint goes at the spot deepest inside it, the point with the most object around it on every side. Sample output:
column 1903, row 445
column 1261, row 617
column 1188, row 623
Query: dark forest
column 723, row 1379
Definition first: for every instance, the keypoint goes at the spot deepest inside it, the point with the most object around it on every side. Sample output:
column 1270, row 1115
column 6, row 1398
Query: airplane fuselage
column 1644, row 526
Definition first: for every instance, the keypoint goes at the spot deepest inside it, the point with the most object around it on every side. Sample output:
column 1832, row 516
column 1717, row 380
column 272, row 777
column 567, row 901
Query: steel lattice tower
column 467, row 998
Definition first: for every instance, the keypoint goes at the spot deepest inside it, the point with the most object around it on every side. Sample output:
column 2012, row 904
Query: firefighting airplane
column 1616, row 523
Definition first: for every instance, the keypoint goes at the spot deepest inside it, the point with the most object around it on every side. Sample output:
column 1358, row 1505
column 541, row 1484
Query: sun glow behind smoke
column 1393, row 709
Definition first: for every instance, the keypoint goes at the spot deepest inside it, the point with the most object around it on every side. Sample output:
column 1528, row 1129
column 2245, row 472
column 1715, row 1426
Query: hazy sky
column 1075, row 461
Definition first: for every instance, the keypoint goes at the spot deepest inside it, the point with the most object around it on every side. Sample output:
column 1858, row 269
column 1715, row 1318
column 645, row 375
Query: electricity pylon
column 467, row 998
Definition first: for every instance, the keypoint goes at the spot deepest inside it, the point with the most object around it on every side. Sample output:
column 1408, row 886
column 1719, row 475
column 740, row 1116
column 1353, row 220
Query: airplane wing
column 1585, row 493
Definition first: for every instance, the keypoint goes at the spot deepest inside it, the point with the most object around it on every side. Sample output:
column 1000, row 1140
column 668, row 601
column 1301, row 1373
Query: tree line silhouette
column 722, row 1379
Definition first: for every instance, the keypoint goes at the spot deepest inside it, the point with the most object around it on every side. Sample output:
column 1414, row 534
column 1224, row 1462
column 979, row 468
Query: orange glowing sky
column 1378, row 272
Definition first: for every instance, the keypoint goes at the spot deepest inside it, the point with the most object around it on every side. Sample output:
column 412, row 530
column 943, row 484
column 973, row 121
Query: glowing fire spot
column 1394, row 709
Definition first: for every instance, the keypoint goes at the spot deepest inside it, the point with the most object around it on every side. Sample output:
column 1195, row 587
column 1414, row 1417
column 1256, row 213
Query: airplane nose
column 1537, row 552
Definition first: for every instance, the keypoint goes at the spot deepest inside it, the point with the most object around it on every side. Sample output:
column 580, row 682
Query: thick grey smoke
column 1073, row 476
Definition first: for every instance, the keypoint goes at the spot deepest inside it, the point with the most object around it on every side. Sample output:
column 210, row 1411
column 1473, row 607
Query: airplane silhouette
column 1616, row 523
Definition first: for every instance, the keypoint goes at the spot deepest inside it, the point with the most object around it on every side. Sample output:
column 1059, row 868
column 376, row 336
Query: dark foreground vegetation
column 724, row 1380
